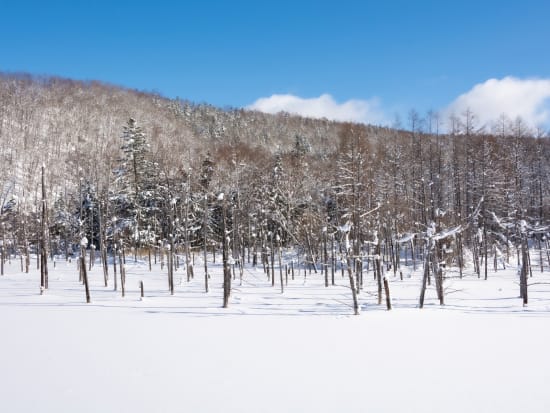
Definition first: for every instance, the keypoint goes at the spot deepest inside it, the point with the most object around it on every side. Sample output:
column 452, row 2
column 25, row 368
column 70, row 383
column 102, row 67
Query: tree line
column 131, row 170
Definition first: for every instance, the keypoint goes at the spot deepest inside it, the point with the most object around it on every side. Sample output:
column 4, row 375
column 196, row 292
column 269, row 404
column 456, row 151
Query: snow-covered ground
column 300, row 351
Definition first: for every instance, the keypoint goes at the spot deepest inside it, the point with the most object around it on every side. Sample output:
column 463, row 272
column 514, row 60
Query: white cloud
column 324, row 106
column 528, row 98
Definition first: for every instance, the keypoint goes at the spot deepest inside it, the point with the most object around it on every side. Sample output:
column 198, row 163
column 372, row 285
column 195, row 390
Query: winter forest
column 95, row 172
column 155, row 252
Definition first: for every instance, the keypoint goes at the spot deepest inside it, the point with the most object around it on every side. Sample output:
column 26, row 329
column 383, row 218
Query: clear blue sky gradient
column 410, row 54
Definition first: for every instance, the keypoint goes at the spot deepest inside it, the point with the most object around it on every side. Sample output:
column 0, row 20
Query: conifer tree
column 136, row 199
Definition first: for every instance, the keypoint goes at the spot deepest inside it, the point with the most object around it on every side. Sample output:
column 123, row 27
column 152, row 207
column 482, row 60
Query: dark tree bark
column 225, row 253
column 378, row 271
column 332, row 260
column 205, row 241
column 425, row 279
column 43, row 239
column 122, row 272
column 325, row 256
column 84, row 271
column 352, row 287
column 524, row 271
column 279, row 253
column 387, row 292
column 114, row 266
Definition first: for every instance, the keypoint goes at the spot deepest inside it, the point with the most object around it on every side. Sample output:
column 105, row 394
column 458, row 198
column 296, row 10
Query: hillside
column 139, row 169
column 59, row 121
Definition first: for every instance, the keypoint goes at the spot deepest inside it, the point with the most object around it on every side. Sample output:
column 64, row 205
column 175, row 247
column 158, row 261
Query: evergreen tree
column 136, row 176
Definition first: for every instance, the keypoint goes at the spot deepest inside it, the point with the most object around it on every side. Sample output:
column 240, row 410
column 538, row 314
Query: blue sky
column 379, row 57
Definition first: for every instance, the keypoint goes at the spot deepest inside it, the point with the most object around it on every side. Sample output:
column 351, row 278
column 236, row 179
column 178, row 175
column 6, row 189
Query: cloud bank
column 324, row 106
column 511, row 96
column 528, row 98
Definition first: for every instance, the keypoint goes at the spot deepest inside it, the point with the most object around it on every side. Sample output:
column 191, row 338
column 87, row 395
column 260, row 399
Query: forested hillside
column 138, row 170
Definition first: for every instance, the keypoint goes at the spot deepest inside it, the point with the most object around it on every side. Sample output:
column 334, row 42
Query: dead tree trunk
column 122, row 272
column 114, row 266
column 43, row 240
column 83, row 268
column 524, row 271
column 332, row 260
column 105, row 266
column 352, row 287
column 171, row 266
column 149, row 256
column 325, row 256
column 425, row 279
column 102, row 245
column 485, row 248
column 205, row 242
column 378, row 271
column 435, row 258
column 272, row 262
column 387, row 292
column 188, row 263
column 279, row 253
column 226, row 266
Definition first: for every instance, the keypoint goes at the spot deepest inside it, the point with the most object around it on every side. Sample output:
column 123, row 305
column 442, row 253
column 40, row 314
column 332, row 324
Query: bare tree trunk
column 161, row 256
column 265, row 260
column 435, row 258
column 440, row 286
column 325, row 256
column 171, row 264
column 424, row 280
column 523, row 272
column 122, row 272
column 254, row 250
column 310, row 251
column 105, row 266
column 84, row 272
column 352, row 287
column 226, row 267
column 92, row 256
column 387, row 291
column 205, row 241
column 332, row 260
column 460, row 254
column 485, row 246
column 114, row 266
column 475, row 251
column 102, row 245
column 528, row 259
column 27, row 255
column 272, row 262
column 43, row 240
column 169, row 258
column 279, row 253
column 539, row 242
column 188, row 264
column 378, row 272
column 413, row 255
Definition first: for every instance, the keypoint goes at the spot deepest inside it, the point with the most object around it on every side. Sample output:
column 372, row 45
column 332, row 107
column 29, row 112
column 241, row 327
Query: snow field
column 299, row 351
